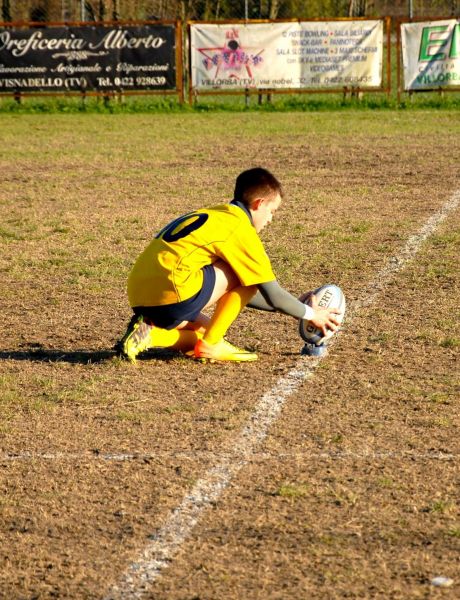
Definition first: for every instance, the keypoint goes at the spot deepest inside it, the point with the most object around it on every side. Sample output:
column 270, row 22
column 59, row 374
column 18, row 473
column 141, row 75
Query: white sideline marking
column 255, row 457
column 167, row 540
column 396, row 263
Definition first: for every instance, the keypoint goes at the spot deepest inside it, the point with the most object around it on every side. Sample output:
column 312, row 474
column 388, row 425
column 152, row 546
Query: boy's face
column 263, row 210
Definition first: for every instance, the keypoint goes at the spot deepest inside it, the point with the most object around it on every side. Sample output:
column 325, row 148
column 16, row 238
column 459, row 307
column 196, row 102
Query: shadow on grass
column 40, row 354
column 43, row 355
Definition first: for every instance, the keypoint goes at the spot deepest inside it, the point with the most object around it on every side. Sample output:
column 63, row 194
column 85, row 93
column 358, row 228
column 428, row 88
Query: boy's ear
column 256, row 203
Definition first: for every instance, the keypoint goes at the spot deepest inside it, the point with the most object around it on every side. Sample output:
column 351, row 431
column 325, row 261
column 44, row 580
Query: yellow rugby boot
column 137, row 339
column 222, row 351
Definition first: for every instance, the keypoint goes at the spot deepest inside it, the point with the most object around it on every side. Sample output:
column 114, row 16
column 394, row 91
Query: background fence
column 113, row 10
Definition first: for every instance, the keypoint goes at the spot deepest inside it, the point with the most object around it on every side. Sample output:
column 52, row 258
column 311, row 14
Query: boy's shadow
column 37, row 353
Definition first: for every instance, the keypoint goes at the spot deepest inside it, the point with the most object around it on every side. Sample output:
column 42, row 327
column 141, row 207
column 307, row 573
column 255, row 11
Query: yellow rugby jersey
column 169, row 269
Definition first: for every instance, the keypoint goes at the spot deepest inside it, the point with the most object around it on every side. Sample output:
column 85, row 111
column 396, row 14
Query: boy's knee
column 249, row 291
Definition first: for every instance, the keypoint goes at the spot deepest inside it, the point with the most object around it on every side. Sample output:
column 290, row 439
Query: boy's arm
column 272, row 297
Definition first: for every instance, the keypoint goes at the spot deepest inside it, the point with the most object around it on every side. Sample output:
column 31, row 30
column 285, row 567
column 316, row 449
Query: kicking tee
column 170, row 268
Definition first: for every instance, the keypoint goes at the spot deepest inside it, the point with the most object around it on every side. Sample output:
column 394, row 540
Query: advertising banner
column 431, row 54
column 300, row 55
column 56, row 59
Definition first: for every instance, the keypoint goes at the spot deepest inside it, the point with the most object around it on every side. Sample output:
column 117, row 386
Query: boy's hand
column 324, row 318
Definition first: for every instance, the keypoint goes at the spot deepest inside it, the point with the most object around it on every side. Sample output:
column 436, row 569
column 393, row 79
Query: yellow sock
column 176, row 339
column 227, row 309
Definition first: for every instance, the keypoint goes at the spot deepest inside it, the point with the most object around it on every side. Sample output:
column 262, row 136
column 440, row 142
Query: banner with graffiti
column 300, row 55
column 56, row 59
column 431, row 54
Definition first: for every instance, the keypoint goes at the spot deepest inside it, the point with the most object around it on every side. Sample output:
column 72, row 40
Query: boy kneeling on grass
column 212, row 256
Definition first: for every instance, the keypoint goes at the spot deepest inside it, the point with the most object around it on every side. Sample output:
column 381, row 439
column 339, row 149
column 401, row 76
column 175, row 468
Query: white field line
column 167, row 541
column 257, row 457
column 397, row 263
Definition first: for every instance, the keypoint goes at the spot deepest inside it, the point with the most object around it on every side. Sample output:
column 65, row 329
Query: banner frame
column 106, row 94
column 352, row 90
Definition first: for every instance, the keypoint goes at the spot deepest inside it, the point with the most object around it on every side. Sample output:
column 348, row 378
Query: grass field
column 353, row 491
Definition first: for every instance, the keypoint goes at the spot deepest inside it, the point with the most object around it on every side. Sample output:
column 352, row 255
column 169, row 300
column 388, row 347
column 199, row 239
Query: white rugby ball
column 328, row 296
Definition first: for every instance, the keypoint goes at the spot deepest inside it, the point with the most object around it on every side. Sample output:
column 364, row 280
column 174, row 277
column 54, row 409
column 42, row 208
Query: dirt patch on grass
column 353, row 493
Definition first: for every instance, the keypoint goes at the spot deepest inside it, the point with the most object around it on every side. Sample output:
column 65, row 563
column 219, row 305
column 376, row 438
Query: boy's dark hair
column 256, row 183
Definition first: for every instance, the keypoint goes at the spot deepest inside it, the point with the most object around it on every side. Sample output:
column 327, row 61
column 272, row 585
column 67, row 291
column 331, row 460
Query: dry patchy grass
column 354, row 493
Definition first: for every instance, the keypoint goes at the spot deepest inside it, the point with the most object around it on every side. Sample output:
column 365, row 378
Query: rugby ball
column 328, row 296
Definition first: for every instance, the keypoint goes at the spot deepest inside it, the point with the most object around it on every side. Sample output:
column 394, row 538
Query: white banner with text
column 299, row 55
column 431, row 54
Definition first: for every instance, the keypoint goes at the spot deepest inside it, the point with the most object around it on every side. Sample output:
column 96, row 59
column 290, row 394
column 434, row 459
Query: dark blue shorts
column 170, row 316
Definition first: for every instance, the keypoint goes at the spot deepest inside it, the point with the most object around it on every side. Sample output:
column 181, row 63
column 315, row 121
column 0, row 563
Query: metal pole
column 246, row 10
column 82, row 11
column 411, row 9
